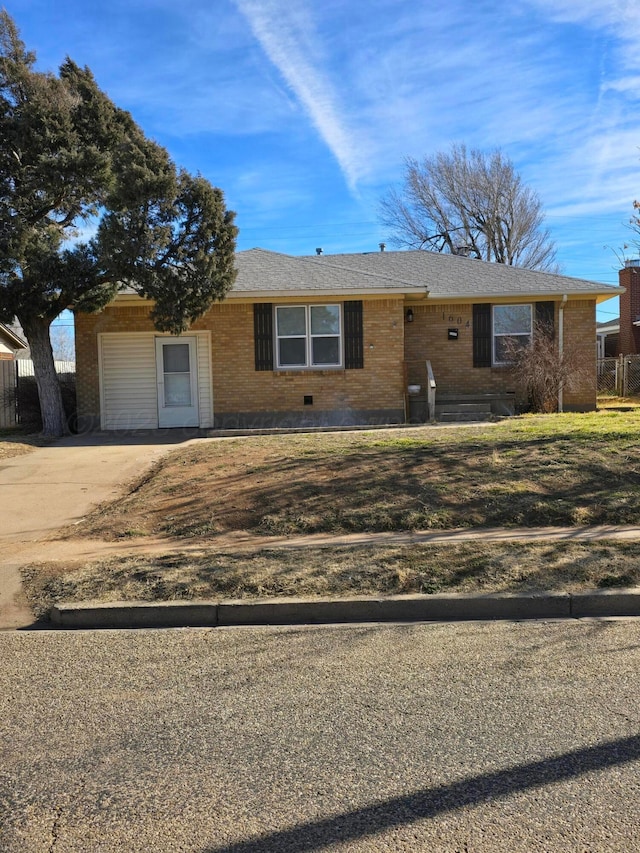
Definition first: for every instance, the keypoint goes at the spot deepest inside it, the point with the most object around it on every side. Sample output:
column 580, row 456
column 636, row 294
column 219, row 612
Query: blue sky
column 304, row 112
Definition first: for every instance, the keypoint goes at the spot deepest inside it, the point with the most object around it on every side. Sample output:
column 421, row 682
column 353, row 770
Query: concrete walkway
column 54, row 486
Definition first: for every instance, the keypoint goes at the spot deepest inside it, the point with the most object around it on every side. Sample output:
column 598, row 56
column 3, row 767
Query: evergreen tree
column 70, row 158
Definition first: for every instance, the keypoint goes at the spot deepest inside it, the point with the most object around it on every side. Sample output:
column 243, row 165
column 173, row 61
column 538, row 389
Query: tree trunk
column 54, row 421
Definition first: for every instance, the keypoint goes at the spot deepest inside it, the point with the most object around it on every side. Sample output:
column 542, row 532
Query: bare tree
column 62, row 343
column 634, row 226
column 469, row 202
column 544, row 371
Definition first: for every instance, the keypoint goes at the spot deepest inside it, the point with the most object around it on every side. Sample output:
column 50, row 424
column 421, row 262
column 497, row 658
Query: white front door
column 177, row 382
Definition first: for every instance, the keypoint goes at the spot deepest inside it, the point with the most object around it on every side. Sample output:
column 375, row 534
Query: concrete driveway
column 56, row 485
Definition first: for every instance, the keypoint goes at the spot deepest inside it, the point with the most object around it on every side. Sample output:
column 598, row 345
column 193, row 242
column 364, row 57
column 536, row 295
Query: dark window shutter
column 545, row 315
column 482, row 335
column 263, row 335
column 353, row 336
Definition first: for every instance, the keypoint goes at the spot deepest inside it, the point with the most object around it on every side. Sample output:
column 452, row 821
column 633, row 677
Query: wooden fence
column 11, row 372
column 8, row 410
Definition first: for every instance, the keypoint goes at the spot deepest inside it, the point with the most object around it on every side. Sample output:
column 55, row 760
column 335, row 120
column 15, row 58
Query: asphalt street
column 434, row 737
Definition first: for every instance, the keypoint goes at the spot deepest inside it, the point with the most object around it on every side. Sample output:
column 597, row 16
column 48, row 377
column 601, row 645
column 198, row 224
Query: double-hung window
column 308, row 336
column 512, row 327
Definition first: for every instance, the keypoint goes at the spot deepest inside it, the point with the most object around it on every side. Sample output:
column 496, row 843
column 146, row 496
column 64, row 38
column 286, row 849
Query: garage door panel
column 128, row 378
column 129, row 382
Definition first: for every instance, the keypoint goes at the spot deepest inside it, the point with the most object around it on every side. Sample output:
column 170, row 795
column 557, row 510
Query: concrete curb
column 452, row 607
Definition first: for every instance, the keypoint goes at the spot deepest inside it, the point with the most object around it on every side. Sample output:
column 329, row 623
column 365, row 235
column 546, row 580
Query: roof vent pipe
column 465, row 251
column 319, row 251
column 383, row 246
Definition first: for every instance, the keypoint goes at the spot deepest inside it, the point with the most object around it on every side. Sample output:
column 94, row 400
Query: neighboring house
column 629, row 341
column 17, row 329
column 608, row 338
column 622, row 335
column 10, row 345
column 330, row 340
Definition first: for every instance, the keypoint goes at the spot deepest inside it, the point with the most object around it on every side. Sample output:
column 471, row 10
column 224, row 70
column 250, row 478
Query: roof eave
column 599, row 295
column 323, row 293
column 15, row 340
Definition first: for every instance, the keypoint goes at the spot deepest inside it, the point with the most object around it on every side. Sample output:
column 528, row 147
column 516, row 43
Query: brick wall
column 379, row 385
column 241, row 392
column 238, row 389
column 580, row 344
column 427, row 338
column 452, row 358
column 629, row 343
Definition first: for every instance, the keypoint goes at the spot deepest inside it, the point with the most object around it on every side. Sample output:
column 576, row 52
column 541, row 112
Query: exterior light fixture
column 409, row 315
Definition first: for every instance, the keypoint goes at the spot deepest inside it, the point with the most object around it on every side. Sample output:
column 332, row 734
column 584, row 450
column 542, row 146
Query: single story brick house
column 330, row 340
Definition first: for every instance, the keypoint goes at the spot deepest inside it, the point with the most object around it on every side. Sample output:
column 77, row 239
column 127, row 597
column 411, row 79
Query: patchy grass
column 529, row 471
column 620, row 404
column 334, row 572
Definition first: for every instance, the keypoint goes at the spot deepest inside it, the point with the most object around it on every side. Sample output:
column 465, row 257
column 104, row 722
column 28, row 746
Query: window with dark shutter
column 263, row 335
column 482, row 335
column 353, row 335
column 545, row 316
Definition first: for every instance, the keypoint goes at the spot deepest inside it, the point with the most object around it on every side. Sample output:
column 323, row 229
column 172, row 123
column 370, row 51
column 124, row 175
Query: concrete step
column 462, row 407
column 467, row 398
column 463, row 417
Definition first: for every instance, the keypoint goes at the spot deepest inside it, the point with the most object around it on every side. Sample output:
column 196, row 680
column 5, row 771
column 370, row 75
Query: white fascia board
column 266, row 295
column 524, row 296
column 14, row 340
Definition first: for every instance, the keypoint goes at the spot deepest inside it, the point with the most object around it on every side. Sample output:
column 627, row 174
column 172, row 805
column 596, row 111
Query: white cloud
column 625, row 85
column 267, row 96
column 287, row 34
column 619, row 20
column 623, row 15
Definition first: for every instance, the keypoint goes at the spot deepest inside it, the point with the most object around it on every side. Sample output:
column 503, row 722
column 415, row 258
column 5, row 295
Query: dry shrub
column 543, row 370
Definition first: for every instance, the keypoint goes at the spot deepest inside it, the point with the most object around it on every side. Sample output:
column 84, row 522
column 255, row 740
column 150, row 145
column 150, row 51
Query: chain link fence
column 619, row 377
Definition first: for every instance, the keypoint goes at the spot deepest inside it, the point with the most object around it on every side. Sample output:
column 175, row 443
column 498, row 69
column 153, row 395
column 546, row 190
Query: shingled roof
column 273, row 274
column 441, row 276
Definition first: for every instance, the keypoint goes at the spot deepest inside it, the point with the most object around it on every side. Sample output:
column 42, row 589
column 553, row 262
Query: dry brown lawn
column 532, row 471
column 333, row 572
column 16, row 444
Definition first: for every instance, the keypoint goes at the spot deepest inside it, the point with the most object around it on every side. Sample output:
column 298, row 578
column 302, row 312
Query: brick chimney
column 630, row 308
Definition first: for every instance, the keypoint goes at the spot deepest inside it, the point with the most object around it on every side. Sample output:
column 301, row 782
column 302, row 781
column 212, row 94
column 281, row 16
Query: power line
column 310, row 226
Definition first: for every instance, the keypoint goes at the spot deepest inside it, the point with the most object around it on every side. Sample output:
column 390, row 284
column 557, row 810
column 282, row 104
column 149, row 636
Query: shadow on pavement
column 405, row 810
column 130, row 437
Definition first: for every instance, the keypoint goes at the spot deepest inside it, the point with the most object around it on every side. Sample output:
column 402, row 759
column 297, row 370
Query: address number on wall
column 450, row 318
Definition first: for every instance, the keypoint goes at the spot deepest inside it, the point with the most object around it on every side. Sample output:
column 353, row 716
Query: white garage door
column 129, row 383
